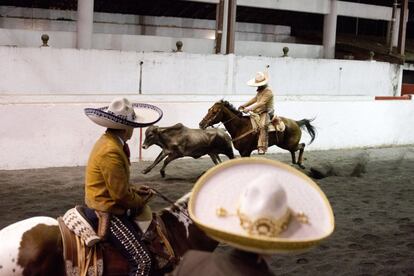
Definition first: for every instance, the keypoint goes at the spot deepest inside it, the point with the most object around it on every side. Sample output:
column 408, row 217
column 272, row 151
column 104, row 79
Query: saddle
column 100, row 257
column 276, row 123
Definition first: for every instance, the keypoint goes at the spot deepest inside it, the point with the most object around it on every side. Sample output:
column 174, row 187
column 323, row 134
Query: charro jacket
column 107, row 185
column 262, row 102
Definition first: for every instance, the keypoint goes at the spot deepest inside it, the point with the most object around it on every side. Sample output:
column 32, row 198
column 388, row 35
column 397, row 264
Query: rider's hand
column 241, row 108
column 145, row 192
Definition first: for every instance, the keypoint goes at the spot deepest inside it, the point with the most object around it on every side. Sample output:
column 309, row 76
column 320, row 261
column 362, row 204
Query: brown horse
column 245, row 140
column 34, row 246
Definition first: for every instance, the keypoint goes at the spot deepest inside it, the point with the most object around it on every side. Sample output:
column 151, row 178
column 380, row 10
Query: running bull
column 178, row 141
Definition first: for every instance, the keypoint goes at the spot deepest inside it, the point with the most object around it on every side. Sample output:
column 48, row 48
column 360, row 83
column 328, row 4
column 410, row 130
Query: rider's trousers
column 262, row 142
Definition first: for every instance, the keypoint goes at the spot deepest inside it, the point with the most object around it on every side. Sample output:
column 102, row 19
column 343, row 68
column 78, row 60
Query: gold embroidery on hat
column 221, row 212
column 302, row 217
column 265, row 226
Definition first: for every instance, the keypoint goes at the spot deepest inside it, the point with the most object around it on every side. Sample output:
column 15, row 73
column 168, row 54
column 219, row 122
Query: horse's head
column 183, row 232
column 179, row 210
column 213, row 116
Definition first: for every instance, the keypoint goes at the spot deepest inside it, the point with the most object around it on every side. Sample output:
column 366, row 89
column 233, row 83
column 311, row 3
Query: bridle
column 221, row 123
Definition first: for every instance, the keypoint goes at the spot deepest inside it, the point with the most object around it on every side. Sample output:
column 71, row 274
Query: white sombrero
column 259, row 80
column 260, row 205
column 122, row 114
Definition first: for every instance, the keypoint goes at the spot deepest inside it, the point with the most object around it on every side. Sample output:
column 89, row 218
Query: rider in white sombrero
column 112, row 201
column 261, row 108
column 280, row 211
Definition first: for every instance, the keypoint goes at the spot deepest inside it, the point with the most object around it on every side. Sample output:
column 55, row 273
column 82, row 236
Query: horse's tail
column 309, row 128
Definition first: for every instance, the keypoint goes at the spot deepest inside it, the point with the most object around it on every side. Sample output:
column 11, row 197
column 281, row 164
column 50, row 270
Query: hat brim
column 146, row 115
column 220, row 187
column 253, row 82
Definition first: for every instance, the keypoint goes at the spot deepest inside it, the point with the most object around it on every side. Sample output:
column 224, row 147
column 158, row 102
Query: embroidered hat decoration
column 122, row 114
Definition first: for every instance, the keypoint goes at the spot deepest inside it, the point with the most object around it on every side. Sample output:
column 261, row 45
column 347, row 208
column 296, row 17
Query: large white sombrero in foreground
column 122, row 114
column 260, row 205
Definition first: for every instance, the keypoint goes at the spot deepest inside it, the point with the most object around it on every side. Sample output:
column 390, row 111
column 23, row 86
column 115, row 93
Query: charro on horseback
column 261, row 109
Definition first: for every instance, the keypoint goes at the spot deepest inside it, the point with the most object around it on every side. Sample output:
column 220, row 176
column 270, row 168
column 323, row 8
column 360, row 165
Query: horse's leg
column 293, row 155
column 157, row 160
column 301, row 148
column 213, row 157
column 230, row 154
column 245, row 153
column 170, row 158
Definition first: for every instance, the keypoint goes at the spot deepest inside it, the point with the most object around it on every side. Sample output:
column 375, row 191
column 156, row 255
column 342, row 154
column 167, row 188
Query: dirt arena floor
column 371, row 192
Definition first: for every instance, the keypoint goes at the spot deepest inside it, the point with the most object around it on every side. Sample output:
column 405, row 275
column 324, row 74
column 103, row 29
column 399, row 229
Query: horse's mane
column 231, row 107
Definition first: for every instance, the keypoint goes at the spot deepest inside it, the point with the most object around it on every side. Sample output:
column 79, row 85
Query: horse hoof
column 144, row 171
column 301, row 166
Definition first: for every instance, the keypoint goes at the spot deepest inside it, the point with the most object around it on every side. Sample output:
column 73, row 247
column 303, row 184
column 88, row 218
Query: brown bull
column 179, row 141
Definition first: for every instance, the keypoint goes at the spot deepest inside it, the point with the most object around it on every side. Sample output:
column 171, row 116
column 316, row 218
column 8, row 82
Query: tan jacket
column 262, row 102
column 107, row 185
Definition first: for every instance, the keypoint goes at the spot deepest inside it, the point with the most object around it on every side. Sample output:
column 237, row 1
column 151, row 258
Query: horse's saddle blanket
column 85, row 254
column 79, row 258
column 276, row 124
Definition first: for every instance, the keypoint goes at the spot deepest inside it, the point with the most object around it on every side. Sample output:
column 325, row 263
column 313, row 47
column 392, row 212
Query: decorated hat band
column 121, row 114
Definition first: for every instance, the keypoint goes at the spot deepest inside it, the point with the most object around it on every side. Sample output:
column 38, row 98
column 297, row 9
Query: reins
column 182, row 210
column 243, row 135
column 223, row 123
column 238, row 137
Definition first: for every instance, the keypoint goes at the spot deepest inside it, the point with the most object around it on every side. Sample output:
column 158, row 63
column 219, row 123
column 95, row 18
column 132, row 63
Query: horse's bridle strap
column 160, row 230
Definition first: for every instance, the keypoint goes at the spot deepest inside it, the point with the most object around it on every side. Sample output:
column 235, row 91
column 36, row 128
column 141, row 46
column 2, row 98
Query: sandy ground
column 371, row 192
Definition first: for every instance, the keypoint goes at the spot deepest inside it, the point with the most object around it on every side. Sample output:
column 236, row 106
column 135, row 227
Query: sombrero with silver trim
column 260, row 79
column 122, row 114
column 261, row 205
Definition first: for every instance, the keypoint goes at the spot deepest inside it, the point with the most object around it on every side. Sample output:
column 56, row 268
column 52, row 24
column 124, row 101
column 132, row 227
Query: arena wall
column 43, row 92
column 52, row 131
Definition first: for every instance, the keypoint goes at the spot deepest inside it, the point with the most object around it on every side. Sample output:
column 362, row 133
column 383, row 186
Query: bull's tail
column 306, row 123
